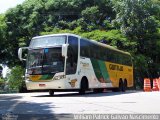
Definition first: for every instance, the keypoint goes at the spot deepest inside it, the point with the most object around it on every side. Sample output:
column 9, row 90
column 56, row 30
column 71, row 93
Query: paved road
column 73, row 103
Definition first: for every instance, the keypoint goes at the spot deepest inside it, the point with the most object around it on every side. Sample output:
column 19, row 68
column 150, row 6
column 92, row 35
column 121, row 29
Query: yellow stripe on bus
column 118, row 71
column 35, row 77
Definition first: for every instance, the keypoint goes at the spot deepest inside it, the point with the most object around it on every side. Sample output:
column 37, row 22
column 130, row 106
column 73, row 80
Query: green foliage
column 2, row 80
column 1, row 69
column 2, row 25
column 138, row 20
column 2, row 84
column 15, row 79
column 3, row 43
column 135, row 17
column 35, row 16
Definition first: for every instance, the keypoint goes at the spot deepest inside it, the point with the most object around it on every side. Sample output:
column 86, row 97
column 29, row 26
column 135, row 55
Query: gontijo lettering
column 115, row 67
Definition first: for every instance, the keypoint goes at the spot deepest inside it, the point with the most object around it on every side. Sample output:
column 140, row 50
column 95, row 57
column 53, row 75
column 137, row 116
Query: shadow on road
column 15, row 106
column 88, row 94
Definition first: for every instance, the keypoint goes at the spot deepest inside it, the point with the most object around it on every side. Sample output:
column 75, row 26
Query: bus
column 69, row 62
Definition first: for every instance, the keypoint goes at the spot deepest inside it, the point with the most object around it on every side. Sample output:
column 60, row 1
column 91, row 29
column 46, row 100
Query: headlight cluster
column 59, row 77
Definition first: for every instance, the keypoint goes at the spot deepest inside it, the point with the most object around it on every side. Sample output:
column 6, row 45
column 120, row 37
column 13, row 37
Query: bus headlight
column 59, row 77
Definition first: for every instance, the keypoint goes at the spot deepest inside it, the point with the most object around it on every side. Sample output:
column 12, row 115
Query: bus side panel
column 86, row 69
column 100, row 70
column 117, row 72
column 101, row 73
column 112, row 73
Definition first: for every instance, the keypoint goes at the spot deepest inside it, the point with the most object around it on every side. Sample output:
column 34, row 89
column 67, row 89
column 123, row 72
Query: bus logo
column 73, row 82
column 85, row 65
column 115, row 67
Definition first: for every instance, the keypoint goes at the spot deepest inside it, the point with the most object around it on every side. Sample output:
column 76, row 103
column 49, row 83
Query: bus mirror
column 20, row 53
column 64, row 50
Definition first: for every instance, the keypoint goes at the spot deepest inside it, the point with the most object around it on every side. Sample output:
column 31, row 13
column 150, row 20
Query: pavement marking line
column 11, row 109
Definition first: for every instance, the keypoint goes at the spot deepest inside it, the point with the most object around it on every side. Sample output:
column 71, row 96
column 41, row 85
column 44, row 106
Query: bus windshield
column 45, row 61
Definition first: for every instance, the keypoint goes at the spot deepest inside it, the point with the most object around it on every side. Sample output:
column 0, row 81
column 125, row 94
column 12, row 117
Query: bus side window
column 85, row 48
column 106, row 55
column 72, row 55
column 128, row 60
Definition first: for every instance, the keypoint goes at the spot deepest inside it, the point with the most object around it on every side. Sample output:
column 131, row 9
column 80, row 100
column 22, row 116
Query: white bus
column 68, row 62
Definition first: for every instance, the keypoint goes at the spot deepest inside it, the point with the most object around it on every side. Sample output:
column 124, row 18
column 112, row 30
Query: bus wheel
column 124, row 85
column 120, row 85
column 51, row 92
column 84, row 86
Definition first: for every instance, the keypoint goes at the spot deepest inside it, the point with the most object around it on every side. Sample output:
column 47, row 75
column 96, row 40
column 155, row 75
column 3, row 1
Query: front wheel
column 84, row 86
column 51, row 92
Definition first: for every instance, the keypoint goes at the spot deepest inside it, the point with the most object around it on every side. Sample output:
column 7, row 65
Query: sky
column 6, row 4
column 5, row 70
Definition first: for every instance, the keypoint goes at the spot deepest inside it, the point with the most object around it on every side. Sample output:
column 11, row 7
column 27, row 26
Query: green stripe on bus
column 96, row 68
column 46, row 77
column 104, row 70
column 100, row 70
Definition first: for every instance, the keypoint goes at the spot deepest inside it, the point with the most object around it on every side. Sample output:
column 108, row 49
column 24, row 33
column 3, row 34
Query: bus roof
column 93, row 41
column 109, row 47
column 59, row 34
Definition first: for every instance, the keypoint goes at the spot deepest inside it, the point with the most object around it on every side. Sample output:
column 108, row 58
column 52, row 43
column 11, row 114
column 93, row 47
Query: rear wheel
column 124, row 86
column 120, row 85
column 51, row 92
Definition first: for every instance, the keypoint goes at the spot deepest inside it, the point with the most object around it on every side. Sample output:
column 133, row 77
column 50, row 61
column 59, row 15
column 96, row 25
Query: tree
column 15, row 79
column 1, row 69
column 136, row 20
column 2, row 84
column 4, row 42
column 34, row 16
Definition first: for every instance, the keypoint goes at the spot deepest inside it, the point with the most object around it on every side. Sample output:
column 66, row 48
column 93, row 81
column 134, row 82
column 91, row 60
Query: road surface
column 41, row 104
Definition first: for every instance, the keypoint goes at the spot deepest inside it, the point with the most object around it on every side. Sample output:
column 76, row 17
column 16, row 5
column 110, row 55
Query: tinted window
column 92, row 50
column 85, row 47
column 124, row 59
column 72, row 55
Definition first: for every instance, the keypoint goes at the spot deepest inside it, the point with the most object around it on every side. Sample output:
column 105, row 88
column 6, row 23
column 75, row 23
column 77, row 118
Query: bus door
column 71, row 65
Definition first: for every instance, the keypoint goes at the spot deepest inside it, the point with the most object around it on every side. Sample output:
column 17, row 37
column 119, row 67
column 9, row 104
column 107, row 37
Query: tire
column 51, row 92
column 120, row 85
column 124, row 86
column 119, row 88
column 84, row 86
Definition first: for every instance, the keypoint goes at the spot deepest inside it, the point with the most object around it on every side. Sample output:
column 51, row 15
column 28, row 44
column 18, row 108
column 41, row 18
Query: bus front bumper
column 55, row 84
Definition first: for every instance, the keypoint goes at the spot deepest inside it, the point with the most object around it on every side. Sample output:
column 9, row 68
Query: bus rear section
column 105, row 66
